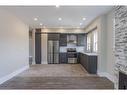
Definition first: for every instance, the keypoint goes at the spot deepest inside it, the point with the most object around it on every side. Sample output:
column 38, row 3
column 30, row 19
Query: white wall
column 105, row 24
column 44, row 48
column 110, row 43
column 14, row 44
column 102, row 45
column 99, row 23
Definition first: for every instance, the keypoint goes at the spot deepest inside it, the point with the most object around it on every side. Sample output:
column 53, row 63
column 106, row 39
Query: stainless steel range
column 72, row 55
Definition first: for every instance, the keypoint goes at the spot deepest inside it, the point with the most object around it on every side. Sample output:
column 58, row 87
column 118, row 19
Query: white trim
column 44, row 62
column 107, row 75
column 11, row 75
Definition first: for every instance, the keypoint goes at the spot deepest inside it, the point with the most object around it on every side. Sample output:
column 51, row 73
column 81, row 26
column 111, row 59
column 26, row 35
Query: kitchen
column 66, row 47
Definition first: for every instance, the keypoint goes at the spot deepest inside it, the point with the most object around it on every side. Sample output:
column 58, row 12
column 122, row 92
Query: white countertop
column 78, row 48
column 90, row 54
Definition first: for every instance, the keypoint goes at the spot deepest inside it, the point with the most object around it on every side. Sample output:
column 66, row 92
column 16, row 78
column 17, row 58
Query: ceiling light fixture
column 59, row 19
column 80, row 23
column 83, row 18
column 35, row 19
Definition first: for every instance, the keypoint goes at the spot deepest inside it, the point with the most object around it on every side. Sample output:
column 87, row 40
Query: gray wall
column 14, row 44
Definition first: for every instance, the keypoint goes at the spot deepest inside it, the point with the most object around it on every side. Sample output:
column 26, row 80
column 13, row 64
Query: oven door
column 72, row 60
column 72, row 57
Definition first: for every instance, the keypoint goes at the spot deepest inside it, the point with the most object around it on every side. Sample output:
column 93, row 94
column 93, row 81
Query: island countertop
column 90, row 54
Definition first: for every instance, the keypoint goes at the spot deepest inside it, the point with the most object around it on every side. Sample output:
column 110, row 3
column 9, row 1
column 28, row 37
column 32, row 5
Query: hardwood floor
column 81, row 80
column 57, row 83
column 55, row 70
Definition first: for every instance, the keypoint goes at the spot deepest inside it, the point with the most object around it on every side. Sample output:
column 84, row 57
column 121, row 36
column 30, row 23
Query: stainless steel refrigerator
column 53, row 52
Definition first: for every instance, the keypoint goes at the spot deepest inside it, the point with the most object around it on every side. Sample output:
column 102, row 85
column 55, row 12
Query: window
column 89, row 42
column 95, row 41
column 92, row 41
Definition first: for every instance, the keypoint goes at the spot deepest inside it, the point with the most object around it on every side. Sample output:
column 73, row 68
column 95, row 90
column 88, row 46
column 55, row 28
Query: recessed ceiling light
column 80, row 23
column 84, row 18
column 57, row 6
column 35, row 19
column 59, row 19
column 41, row 24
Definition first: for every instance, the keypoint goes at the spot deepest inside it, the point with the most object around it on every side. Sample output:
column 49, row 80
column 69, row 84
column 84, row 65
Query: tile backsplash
column 78, row 48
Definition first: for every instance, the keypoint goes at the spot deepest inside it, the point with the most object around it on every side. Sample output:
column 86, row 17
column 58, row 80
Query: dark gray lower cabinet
column 63, row 58
column 89, row 62
column 78, row 57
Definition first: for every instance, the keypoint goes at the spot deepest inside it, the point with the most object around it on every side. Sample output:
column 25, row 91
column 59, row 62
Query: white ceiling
column 48, row 15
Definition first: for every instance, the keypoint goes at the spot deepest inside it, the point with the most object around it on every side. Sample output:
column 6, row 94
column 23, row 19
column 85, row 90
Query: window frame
column 92, row 40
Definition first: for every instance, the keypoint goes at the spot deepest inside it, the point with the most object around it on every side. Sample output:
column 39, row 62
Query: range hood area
column 71, row 39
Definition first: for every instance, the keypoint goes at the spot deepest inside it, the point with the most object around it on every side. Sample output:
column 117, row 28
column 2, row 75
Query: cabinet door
column 89, row 63
column 81, row 40
column 63, row 40
column 82, row 61
column 92, row 64
column 53, row 36
column 63, row 58
column 78, row 57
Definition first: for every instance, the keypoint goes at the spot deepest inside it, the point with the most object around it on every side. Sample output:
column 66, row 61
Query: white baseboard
column 107, row 75
column 9, row 76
